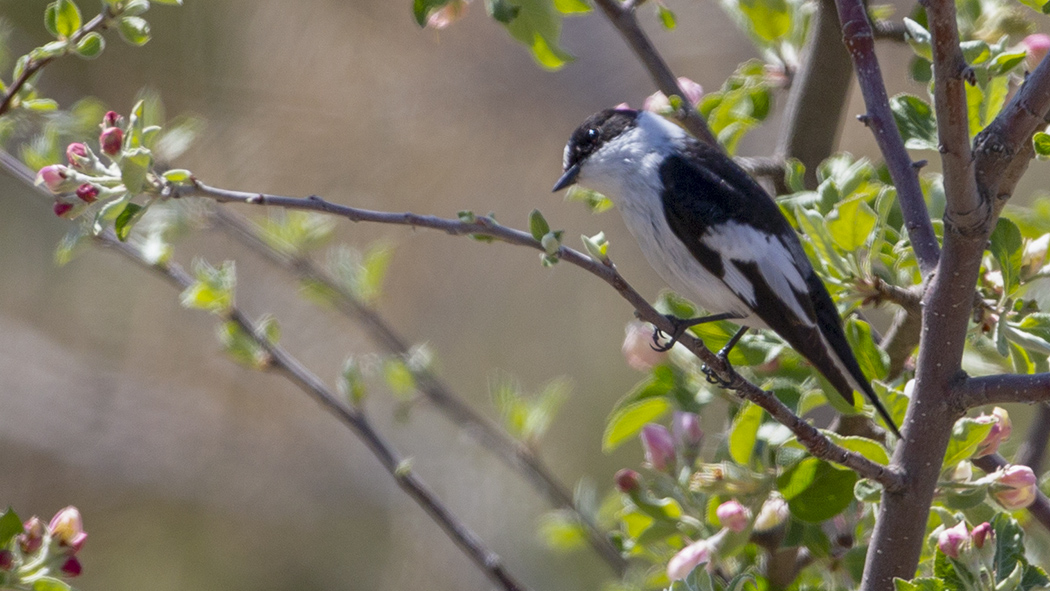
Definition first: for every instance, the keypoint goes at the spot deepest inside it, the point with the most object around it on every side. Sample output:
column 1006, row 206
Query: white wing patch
column 739, row 242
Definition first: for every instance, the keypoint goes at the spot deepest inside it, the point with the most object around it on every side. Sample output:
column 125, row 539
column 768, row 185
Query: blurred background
column 193, row 473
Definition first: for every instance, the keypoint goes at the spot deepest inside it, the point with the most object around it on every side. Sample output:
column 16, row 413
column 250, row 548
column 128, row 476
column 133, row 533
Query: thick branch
column 1005, row 388
column 953, row 127
column 517, row 455
column 1039, row 509
column 817, row 101
column 859, row 39
column 101, row 21
column 623, row 18
column 819, row 445
column 486, row 560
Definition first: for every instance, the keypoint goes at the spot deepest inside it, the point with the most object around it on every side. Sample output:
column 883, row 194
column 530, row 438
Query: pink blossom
column 67, row 528
column 54, row 177
column 1000, row 432
column 33, row 536
column 87, row 192
column 1017, row 487
column 688, row 558
column 111, row 119
column 733, row 515
column 658, row 445
column 981, row 534
column 951, row 540
column 637, row 347
column 1037, row 46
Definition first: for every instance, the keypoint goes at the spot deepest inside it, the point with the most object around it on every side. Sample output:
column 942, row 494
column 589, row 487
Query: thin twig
column 485, row 559
column 818, row 444
column 622, row 16
column 859, row 39
column 101, row 21
column 1039, row 509
column 516, row 454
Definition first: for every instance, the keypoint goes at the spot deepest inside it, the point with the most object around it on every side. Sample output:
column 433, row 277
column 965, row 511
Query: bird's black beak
column 567, row 179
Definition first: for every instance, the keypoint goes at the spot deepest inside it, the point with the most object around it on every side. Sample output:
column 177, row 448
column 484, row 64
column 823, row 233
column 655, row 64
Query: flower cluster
column 42, row 553
column 972, row 551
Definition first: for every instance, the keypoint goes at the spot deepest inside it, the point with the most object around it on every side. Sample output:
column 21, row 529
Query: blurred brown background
column 193, row 473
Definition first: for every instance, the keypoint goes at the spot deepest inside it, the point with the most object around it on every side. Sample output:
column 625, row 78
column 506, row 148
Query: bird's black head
column 590, row 137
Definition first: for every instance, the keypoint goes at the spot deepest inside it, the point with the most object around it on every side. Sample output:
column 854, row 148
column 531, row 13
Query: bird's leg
column 680, row 326
column 723, row 355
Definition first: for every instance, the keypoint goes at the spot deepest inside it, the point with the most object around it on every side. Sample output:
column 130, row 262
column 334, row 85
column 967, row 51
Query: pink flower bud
column 443, row 17
column 71, row 567
column 686, row 429
column 637, row 347
column 1017, row 487
column 951, row 540
column 67, row 528
column 687, row 559
column 659, row 103
column 62, row 208
column 981, row 534
column 111, row 119
column 658, row 445
column 87, row 192
column 111, row 140
column 76, row 153
column 1000, row 432
column 33, row 538
column 733, row 515
column 7, row 559
column 1036, row 45
column 628, row 480
column 54, row 177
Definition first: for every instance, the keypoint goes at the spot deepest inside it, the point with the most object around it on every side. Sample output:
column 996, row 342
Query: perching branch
column 1004, row 388
column 514, row 453
column 486, row 560
column 817, row 444
column 860, row 42
column 950, row 73
column 101, row 21
column 622, row 17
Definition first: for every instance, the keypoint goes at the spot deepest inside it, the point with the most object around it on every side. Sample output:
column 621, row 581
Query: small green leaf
column 179, row 176
column 594, row 200
column 1041, row 141
column 134, row 167
column 538, row 226
column 815, row 490
column 572, row 6
column 626, row 421
column 244, row 348
column 213, row 288
column 67, row 18
column 134, row 30
column 744, row 433
column 50, row 584
column 795, row 175
column 967, row 434
column 919, row 39
column 50, row 15
column 867, row 491
column 1006, row 246
column 537, row 25
column 421, row 9
column 873, row 360
column 175, row 2
column 919, row 584
column 770, row 20
column 10, row 526
column 915, row 120
column 851, row 224
column 561, row 530
column 352, row 382
column 398, row 377
column 667, row 17
column 40, row 104
column 126, row 220
column 597, row 246
column 91, row 45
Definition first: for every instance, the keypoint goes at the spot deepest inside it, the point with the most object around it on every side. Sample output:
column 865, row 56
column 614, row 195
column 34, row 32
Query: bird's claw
column 714, row 377
column 659, row 347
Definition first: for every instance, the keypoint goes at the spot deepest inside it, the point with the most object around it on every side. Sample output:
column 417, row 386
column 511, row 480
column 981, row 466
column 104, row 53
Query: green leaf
column 134, row 30
column 50, row 14
column 572, row 6
column 67, row 18
column 421, row 9
column 815, row 490
column 1006, row 245
column 919, row 39
column 1009, row 545
column 352, row 382
column 967, row 434
column 10, row 526
column 538, row 226
column 126, row 220
column 398, row 377
column 812, row 226
column 770, row 19
column 744, row 433
column 597, row 246
column 667, row 17
column 296, row 233
column 1036, row 5
column 561, row 530
column 50, row 584
column 626, row 421
column 795, row 175
column 213, row 288
column 1005, row 62
column 538, row 26
column 594, row 200
column 179, row 176
column 91, row 45
column 134, row 167
column 915, row 120
column 919, row 584
column 1041, row 141
column 502, row 10
column 873, row 360
column 40, row 104
column 851, row 224
column 243, row 348
column 175, row 2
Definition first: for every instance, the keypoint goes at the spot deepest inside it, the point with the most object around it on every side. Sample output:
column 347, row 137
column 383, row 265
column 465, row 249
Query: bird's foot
column 679, row 327
column 715, row 376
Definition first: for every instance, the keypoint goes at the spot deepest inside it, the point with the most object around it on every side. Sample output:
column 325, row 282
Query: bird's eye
column 592, row 133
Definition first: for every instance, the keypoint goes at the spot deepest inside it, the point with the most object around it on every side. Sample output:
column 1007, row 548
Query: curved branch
column 859, row 39
column 623, row 18
column 486, row 560
column 1005, row 388
column 814, row 441
column 517, row 455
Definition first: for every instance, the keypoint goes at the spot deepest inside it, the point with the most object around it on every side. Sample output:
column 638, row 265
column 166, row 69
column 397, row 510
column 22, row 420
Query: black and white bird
column 714, row 234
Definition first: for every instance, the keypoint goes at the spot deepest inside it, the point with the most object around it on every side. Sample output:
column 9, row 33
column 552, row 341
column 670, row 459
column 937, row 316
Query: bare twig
column 486, row 560
column 101, row 21
column 859, row 39
column 1005, row 388
column 623, row 18
column 817, row 101
column 1033, row 451
column 516, row 454
column 1039, row 509
column 818, row 444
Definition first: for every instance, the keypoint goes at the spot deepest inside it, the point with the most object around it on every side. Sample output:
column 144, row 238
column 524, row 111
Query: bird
column 713, row 233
